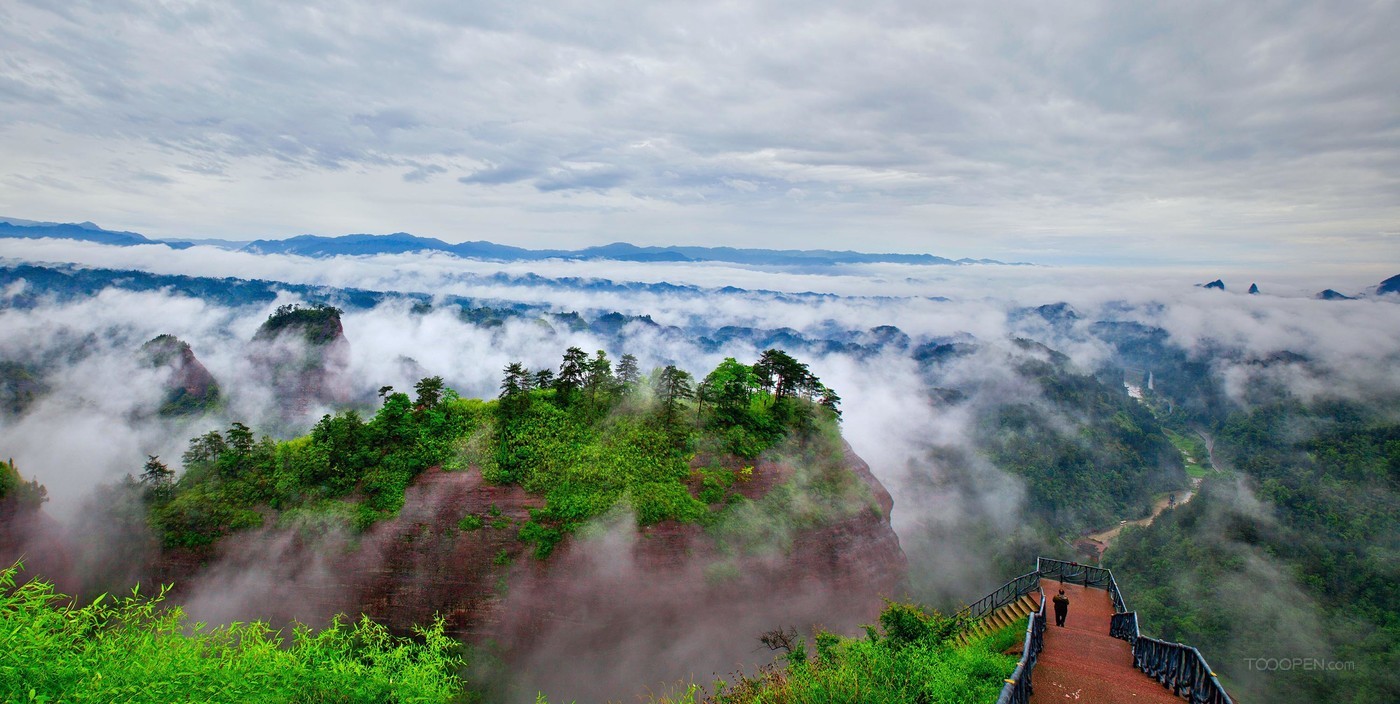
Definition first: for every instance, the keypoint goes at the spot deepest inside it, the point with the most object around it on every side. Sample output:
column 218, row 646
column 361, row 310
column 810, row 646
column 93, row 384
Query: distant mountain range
column 85, row 231
column 401, row 242
column 47, row 284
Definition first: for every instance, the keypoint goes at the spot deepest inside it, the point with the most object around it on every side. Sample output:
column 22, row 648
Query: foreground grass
column 903, row 666
column 133, row 649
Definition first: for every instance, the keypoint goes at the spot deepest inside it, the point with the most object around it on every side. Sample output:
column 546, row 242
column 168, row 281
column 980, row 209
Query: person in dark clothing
column 1061, row 608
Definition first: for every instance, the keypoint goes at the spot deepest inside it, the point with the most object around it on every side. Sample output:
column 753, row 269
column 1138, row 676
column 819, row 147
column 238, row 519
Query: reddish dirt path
column 1081, row 662
column 1094, row 544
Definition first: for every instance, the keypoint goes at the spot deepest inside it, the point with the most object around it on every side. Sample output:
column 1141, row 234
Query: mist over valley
column 699, row 353
column 1001, row 411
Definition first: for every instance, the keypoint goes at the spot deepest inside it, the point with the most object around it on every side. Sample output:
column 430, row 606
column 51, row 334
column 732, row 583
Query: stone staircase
column 1099, row 655
column 1000, row 618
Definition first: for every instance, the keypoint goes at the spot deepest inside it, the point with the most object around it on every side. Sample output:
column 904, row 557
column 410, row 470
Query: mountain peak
column 1390, row 285
column 1332, row 295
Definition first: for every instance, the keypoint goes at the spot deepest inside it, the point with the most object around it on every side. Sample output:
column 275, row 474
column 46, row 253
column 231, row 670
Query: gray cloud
column 423, row 173
column 499, row 174
column 584, row 179
column 1141, row 134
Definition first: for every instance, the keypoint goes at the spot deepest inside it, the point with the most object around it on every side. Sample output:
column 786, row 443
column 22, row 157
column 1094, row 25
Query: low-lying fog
column 98, row 423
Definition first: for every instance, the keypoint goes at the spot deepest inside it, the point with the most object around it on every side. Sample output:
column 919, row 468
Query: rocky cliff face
column 303, row 355
column 190, row 388
column 609, row 611
column 629, row 609
column 485, row 582
column 27, row 534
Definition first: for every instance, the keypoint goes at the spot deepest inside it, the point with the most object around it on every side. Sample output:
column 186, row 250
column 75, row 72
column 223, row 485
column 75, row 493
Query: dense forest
column 586, row 437
column 1296, row 557
column 1106, row 463
column 1061, row 453
column 17, row 494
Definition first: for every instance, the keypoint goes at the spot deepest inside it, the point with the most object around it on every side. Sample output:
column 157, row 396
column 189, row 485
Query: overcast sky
column 1262, row 133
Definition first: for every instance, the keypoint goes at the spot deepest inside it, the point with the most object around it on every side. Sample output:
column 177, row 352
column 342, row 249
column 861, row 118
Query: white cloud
column 1175, row 134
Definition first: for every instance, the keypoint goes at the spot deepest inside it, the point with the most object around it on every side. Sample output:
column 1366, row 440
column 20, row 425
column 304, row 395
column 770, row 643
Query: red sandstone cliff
column 303, row 354
column 609, row 611
column 645, row 608
column 190, row 388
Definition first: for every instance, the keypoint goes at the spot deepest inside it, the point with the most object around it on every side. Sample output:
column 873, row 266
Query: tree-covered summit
column 587, row 436
column 317, row 324
column 191, row 389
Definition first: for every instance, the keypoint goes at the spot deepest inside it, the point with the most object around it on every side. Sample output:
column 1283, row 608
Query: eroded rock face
column 303, row 355
column 191, row 388
column 612, row 610
column 632, row 609
column 622, row 608
column 426, row 562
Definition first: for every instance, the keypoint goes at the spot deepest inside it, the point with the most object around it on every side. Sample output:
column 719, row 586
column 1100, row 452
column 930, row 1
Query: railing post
column 1180, row 668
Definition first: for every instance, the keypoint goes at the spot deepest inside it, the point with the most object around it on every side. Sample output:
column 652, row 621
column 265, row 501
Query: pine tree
column 674, row 387
column 157, row 479
column 570, row 376
column 628, row 373
column 429, row 392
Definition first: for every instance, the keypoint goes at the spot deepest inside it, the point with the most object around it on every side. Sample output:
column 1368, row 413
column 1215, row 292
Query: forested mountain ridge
column 1020, row 437
column 303, row 354
column 1106, row 462
column 31, row 286
column 1105, row 465
column 1295, row 558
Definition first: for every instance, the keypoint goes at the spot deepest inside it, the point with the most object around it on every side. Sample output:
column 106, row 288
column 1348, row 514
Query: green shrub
column 925, row 668
column 136, row 649
column 542, row 536
column 16, row 491
column 905, row 624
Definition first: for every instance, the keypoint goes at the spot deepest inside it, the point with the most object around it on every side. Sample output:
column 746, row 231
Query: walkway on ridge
column 1081, row 662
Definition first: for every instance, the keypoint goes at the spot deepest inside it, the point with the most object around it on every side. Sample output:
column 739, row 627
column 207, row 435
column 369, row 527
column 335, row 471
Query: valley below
column 609, row 525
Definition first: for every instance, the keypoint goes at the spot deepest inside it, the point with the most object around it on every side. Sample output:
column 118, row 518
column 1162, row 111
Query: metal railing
column 1017, row 689
column 1178, row 667
column 1001, row 596
column 1086, row 575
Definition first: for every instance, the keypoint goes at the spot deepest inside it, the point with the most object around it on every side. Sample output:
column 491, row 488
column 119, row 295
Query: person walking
column 1061, row 608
